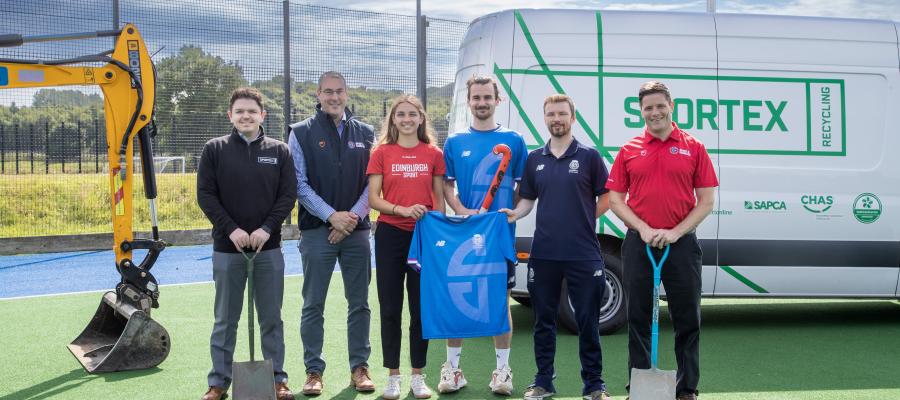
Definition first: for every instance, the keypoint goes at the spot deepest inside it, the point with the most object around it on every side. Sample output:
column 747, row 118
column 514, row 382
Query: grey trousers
column 230, row 277
column 318, row 257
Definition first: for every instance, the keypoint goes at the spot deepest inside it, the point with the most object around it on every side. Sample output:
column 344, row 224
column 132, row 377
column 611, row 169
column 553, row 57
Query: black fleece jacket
column 246, row 185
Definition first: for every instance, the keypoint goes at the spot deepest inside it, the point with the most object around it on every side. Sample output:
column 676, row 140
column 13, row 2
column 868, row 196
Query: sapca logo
column 816, row 203
column 765, row 205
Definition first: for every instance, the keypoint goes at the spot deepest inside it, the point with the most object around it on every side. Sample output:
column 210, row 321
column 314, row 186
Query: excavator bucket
column 120, row 337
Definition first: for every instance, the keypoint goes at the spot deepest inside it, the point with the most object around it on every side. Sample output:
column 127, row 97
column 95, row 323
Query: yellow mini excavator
column 121, row 335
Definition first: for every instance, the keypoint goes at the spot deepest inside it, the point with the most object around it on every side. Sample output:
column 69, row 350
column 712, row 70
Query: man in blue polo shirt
column 570, row 180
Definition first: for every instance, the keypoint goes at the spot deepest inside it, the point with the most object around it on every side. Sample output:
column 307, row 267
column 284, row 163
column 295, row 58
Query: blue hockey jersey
column 463, row 262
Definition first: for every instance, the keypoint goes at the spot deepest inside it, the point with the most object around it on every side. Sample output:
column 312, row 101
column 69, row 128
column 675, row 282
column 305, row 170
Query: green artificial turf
column 750, row 349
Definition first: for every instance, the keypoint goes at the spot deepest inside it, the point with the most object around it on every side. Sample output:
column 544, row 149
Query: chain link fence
column 53, row 168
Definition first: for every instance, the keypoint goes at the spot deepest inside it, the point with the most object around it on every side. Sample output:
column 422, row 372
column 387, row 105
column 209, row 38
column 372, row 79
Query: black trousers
column 681, row 279
column 391, row 269
column 585, row 282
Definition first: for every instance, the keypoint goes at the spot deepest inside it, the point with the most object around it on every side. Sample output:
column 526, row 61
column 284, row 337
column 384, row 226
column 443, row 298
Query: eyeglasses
column 329, row 92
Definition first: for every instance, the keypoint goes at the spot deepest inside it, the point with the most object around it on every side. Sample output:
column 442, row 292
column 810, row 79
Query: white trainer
column 452, row 379
column 392, row 389
column 501, row 381
column 418, row 387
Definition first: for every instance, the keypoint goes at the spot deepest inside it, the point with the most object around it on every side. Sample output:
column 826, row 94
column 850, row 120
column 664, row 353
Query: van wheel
column 612, row 307
column 523, row 300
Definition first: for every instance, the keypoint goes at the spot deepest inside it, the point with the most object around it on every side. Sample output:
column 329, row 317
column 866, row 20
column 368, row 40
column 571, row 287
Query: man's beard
column 557, row 131
column 486, row 117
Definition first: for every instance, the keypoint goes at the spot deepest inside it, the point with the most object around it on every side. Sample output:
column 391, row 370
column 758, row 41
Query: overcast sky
column 169, row 24
column 469, row 9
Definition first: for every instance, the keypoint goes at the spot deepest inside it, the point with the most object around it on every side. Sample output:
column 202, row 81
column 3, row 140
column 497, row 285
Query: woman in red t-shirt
column 406, row 173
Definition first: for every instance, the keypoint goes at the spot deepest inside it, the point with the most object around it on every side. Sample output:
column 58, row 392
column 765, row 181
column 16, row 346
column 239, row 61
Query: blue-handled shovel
column 653, row 383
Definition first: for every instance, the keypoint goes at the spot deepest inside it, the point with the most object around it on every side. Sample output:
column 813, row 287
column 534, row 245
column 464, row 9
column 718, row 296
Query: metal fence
column 52, row 140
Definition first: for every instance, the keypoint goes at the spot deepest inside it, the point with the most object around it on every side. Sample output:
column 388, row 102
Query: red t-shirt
column 660, row 177
column 407, row 175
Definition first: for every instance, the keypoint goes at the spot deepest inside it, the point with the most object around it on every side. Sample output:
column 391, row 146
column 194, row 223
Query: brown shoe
column 215, row 393
column 282, row 392
column 686, row 396
column 361, row 380
column 313, row 385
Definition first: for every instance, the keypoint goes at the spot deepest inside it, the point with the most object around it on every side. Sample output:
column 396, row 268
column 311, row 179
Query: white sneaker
column 392, row 390
column 452, row 379
column 501, row 381
column 418, row 387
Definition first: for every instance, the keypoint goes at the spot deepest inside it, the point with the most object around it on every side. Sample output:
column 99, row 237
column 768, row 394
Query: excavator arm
column 122, row 327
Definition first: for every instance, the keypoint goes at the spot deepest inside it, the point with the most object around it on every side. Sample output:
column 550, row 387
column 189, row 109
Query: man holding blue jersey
column 471, row 165
column 569, row 179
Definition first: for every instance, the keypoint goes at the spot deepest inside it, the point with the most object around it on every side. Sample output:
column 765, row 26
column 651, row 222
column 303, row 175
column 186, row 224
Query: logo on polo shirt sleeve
column 573, row 167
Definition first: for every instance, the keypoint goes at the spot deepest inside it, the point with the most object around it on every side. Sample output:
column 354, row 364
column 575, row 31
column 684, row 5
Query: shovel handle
column 250, row 307
column 654, row 326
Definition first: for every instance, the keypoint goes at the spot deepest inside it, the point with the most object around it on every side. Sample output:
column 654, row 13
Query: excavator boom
column 121, row 335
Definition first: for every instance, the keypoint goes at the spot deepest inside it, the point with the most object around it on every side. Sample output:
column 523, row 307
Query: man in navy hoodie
column 331, row 151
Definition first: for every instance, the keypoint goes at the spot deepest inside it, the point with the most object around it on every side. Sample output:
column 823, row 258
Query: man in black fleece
column 246, row 187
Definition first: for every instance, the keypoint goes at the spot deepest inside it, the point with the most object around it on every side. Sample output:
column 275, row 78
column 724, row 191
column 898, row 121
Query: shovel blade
column 652, row 384
column 253, row 380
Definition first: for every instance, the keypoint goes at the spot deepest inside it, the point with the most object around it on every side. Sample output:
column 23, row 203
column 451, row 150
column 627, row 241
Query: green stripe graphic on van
column 515, row 100
column 553, row 81
column 743, row 279
column 605, row 222
column 797, row 117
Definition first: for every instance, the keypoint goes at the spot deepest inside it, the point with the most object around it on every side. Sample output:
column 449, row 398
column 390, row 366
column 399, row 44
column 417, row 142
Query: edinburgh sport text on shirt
column 408, row 170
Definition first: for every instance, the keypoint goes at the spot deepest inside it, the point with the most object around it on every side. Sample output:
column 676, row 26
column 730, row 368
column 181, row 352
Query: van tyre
column 612, row 313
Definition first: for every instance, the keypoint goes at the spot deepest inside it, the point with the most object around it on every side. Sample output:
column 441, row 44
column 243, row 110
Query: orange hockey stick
column 498, row 176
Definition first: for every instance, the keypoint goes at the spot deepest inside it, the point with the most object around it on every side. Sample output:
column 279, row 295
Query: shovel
column 252, row 380
column 653, row 383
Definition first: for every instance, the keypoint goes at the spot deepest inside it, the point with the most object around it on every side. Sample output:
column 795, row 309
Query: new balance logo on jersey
column 441, row 243
column 466, row 153
column 598, row 272
column 540, row 167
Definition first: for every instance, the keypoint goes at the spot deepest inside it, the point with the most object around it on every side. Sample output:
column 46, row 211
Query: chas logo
column 816, row 203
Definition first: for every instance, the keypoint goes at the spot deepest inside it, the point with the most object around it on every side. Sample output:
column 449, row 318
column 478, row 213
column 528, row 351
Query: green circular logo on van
column 867, row 208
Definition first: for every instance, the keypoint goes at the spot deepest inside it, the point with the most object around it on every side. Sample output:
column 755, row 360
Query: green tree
column 46, row 98
column 193, row 88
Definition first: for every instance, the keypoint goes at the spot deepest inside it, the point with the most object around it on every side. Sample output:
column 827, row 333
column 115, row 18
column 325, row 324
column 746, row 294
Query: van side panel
column 793, row 110
column 807, row 156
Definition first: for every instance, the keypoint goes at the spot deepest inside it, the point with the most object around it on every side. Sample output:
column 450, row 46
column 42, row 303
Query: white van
column 795, row 113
